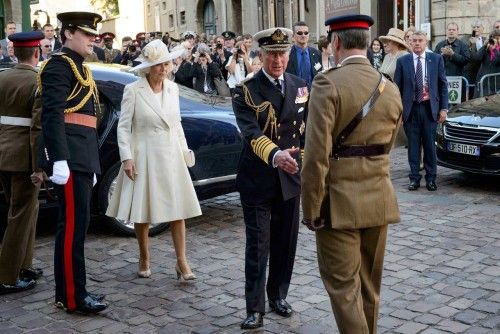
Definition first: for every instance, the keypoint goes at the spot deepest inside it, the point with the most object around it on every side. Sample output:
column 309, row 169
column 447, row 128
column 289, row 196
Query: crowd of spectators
column 230, row 59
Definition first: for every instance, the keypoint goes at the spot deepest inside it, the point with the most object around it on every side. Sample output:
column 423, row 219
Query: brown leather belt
column 81, row 119
column 359, row 151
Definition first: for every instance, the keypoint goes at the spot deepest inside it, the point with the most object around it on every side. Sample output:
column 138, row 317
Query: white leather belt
column 17, row 121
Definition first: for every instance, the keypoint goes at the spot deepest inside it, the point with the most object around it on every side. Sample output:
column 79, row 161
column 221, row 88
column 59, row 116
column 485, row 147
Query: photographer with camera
column 183, row 69
column 474, row 42
column 221, row 56
column 489, row 56
column 130, row 51
column 204, row 71
column 238, row 65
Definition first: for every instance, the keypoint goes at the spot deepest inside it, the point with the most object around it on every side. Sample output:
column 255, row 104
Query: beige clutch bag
column 189, row 158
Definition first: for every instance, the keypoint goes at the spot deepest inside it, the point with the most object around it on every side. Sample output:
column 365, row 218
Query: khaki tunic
column 361, row 192
column 18, row 147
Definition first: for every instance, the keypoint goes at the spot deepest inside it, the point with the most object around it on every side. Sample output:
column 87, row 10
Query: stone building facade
column 215, row 16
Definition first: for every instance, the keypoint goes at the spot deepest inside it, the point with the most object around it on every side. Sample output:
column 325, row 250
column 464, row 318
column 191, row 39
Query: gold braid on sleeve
column 271, row 114
column 82, row 83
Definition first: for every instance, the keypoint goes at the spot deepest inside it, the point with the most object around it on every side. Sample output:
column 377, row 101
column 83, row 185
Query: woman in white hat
column 394, row 47
column 153, row 185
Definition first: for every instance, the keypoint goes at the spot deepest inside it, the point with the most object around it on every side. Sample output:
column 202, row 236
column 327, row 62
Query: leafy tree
column 108, row 7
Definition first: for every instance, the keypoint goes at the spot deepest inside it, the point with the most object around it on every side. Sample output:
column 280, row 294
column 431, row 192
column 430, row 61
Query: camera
column 218, row 46
column 239, row 51
column 132, row 48
column 203, row 54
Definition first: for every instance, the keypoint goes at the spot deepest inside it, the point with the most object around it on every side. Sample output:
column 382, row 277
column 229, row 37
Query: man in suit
column 221, row 56
column 270, row 111
column 46, row 49
column 48, row 31
column 455, row 53
column 10, row 28
column 70, row 154
column 421, row 79
column 347, row 194
column 305, row 62
column 19, row 131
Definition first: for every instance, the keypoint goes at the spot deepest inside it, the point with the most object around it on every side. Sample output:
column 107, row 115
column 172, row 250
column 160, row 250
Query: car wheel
column 106, row 189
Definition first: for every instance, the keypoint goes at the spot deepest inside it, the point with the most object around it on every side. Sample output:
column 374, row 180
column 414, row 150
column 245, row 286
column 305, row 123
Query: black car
column 209, row 126
column 469, row 140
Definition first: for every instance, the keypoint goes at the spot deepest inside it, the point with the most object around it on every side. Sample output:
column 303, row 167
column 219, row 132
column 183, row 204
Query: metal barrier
column 455, row 91
column 485, row 84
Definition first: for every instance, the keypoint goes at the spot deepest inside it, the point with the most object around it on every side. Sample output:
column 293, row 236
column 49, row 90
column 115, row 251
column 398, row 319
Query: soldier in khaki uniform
column 19, row 131
column 345, row 176
column 109, row 53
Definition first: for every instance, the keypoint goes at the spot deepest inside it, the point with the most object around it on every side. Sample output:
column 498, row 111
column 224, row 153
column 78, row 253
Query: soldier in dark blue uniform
column 270, row 110
column 70, row 154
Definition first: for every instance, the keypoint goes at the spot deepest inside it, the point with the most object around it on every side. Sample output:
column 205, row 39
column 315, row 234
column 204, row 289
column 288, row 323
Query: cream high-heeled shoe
column 186, row 277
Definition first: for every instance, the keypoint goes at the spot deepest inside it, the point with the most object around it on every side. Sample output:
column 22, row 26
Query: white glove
column 60, row 172
column 95, row 180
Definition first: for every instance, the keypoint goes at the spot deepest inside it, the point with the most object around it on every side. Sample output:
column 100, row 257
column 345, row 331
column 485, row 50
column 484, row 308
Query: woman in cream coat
column 153, row 185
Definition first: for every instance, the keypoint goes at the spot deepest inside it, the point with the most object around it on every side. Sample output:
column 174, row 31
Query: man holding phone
column 474, row 42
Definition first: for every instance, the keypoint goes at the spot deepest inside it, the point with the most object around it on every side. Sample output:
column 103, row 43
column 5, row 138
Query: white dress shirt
column 424, row 66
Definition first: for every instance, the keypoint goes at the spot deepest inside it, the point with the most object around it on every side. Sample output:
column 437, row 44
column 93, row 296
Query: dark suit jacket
column 257, row 181
column 454, row 65
column 404, row 77
column 199, row 76
column 314, row 56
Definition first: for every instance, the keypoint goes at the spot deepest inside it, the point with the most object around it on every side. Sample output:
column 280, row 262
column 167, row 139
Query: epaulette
column 60, row 53
column 245, row 81
column 330, row 69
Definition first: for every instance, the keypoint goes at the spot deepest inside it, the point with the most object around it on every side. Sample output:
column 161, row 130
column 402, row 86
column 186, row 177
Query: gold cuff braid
column 263, row 147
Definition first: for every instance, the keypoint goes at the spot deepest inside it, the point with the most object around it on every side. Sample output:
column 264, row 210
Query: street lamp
column 37, row 15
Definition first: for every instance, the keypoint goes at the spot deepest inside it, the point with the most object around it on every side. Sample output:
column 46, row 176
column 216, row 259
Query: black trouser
column 74, row 218
column 420, row 128
column 271, row 232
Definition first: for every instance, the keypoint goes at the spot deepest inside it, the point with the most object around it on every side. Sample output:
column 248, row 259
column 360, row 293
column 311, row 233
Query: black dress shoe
column 19, row 286
column 281, row 307
column 431, row 186
column 414, row 185
column 30, row 273
column 97, row 296
column 254, row 320
column 88, row 305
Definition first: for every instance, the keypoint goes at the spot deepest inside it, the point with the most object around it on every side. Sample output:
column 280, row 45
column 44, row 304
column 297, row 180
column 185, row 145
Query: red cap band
column 27, row 44
column 350, row 25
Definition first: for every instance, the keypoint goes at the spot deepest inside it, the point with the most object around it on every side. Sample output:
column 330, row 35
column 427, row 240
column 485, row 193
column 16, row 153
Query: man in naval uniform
column 270, row 110
column 70, row 154
column 19, row 132
column 354, row 115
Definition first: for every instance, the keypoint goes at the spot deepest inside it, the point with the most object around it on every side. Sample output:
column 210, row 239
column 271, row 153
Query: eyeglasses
column 300, row 33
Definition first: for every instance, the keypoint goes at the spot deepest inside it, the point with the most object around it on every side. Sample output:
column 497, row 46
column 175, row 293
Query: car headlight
column 440, row 129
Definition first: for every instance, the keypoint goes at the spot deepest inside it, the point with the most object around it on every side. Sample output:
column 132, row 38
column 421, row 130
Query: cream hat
column 154, row 53
column 397, row 36
column 274, row 39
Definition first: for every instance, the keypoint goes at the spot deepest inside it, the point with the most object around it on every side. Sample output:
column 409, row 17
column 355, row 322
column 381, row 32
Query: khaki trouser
column 351, row 264
column 19, row 238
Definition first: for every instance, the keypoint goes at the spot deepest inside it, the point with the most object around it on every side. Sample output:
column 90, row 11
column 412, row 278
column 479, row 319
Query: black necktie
column 278, row 84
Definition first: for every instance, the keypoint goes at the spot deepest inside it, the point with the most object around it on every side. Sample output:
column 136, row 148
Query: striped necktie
column 419, row 78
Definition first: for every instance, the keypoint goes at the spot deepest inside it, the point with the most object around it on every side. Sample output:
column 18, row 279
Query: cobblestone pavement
column 442, row 272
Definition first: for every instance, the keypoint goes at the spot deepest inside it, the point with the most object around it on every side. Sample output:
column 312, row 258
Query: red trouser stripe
column 69, row 234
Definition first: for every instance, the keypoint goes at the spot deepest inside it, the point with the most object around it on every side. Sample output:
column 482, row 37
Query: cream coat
column 152, row 136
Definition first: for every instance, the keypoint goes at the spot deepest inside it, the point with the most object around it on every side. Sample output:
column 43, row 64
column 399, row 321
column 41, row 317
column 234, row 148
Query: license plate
column 463, row 148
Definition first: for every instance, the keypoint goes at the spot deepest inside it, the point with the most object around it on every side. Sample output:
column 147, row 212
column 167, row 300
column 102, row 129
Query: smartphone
column 473, row 33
